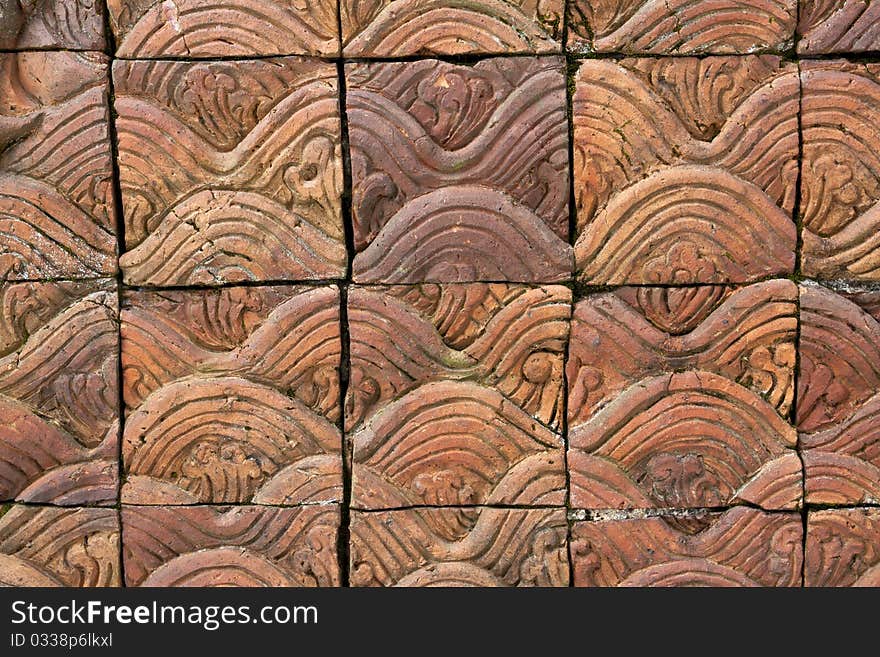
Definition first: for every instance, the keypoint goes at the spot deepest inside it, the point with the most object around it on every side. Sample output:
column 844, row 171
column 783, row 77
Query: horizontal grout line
column 464, row 59
column 839, row 285
column 871, row 56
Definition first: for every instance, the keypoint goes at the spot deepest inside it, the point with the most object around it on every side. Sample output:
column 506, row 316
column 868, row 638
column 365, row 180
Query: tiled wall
column 433, row 292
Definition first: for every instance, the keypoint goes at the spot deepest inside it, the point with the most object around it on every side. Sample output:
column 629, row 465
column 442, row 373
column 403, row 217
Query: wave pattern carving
column 685, row 169
column 230, row 171
column 233, row 396
column 459, row 173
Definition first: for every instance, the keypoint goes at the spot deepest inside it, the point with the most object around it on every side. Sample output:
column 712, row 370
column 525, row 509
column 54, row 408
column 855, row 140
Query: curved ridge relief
column 689, row 26
column 827, row 27
column 451, row 443
column 464, row 234
column 249, row 27
column 747, row 334
column 47, row 236
column 840, row 358
column 409, row 27
column 222, row 439
column 40, row 463
column 217, row 236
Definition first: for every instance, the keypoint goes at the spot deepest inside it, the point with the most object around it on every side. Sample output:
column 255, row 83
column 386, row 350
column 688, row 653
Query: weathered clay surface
column 230, row 171
column 685, row 440
column 685, row 169
column 667, row 27
column 57, row 217
column 459, row 173
column 63, row 24
column 391, row 28
column 839, row 395
column 843, row 548
column 456, row 393
column 460, row 547
column 838, row 26
column 59, row 394
column 223, row 28
column 840, row 204
column 230, row 546
column 508, row 337
column 746, row 334
column 740, row 547
column 43, row 546
column 232, row 396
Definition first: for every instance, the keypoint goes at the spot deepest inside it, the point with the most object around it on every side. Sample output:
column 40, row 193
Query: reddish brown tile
column 455, row 393
column 685, row 169
column 232, row 396
column 230, row 546
column 501, row 335
column 59, row 394
column 740, row 547
column 459, row 547
column 839, row 395
column 843, row 548
column 665, row 27
column 678, row 398
column 223, row 28
column 43, row 546
column 391, row 28
column 838, row 26
column 230, row 171
column 840, row 203
column 65, row 24
column 459, row 173
column 56, row 195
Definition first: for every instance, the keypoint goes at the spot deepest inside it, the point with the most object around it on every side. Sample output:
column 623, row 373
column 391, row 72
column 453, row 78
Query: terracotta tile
column 230, row 546
column 230, row 171
column 232, row 396
column 56, row 195
column 685, row 169
column 459, row 173
column 839, row 394
column 740, row 547
column 840, row 203
column 459, row 547
column 66, row 24
column 45, row 546
column 224, row 28
column 838, row 26
column 59, row 399
column 678, row 398
column 456, row 394
column 391, row 28
column 664, row 27
column 843, row 548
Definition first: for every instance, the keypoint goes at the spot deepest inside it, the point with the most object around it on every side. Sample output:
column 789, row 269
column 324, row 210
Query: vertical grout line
column 344, row 538
column 113, row 138
column 570, row 69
